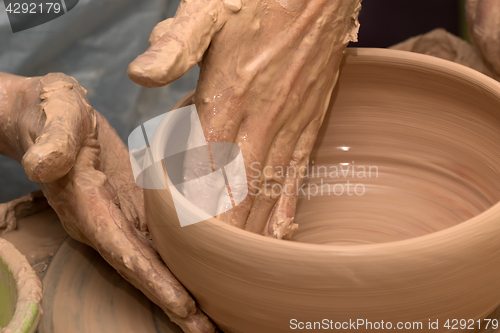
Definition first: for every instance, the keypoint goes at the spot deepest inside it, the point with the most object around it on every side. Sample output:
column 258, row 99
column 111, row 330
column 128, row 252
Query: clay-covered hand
column 268, row 68
column 84, row 171
column 483, row 17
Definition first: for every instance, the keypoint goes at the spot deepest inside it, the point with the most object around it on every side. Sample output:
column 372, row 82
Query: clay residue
column 27, row 205
column 267, row 72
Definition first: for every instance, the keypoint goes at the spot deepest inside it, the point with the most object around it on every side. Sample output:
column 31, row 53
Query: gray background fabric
column 94, row 43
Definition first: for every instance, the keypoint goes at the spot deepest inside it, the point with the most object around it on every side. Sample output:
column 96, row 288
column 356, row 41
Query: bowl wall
column 8, row 295
column 20, row 292
column 392, row 108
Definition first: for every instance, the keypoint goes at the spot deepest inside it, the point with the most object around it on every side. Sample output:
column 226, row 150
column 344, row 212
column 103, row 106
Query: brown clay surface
column 421, row 240
column 84, row 294
column 423, row 153
column 38, row 237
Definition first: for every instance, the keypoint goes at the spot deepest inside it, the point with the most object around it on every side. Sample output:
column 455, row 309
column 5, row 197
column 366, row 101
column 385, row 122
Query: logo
column 26, row 14
column 204, row 179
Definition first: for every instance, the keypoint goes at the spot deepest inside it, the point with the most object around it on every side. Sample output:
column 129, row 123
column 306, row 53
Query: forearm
column 13, row 91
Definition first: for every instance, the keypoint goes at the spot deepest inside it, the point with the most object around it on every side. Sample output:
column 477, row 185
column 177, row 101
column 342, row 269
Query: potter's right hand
column 83, row 169
column 268, row 68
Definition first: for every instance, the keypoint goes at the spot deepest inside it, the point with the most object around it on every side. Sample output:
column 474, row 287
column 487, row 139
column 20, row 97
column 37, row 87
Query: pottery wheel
column 82, row 293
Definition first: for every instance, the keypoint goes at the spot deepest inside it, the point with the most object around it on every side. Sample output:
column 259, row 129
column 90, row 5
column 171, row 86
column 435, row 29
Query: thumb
column 178, row 44
column 69, row 122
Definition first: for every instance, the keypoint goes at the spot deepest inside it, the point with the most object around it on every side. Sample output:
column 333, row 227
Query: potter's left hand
column 84, row 171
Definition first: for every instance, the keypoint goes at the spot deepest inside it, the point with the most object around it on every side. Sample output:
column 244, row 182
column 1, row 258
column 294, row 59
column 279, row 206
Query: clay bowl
column 421, row 243
column 20, row 292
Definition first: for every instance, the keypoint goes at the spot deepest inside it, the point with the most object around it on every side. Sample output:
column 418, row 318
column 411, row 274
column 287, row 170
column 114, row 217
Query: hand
column 483, row 17
column 268, row 68
column 83, row 169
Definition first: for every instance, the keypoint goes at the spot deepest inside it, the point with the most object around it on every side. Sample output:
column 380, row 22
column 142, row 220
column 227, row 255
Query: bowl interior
column 405, row 150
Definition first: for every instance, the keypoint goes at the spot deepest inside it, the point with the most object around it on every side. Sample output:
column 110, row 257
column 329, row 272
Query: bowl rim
column 394, row 58
column 28, row 312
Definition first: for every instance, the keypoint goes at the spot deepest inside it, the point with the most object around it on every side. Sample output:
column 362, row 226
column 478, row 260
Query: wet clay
column 413, row 247
column 38, row 237
column 262, row 86
column 44, row 122
column 84, row 294
column 271, row 101
column 28, row 287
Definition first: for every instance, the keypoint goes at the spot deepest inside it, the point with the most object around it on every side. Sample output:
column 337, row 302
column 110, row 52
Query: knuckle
column 54, row 84
column 161, row 29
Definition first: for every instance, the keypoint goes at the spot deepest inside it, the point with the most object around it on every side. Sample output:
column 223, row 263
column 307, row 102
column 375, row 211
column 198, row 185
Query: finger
column 178, row 44
column 105, row 227
column 255, row 137
column 222, row 126
column 125, row 249
column 120, row 175
column 277, row 167
column 281, row 223
column 274, row 173
column 69, row 121
column 197, row 322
